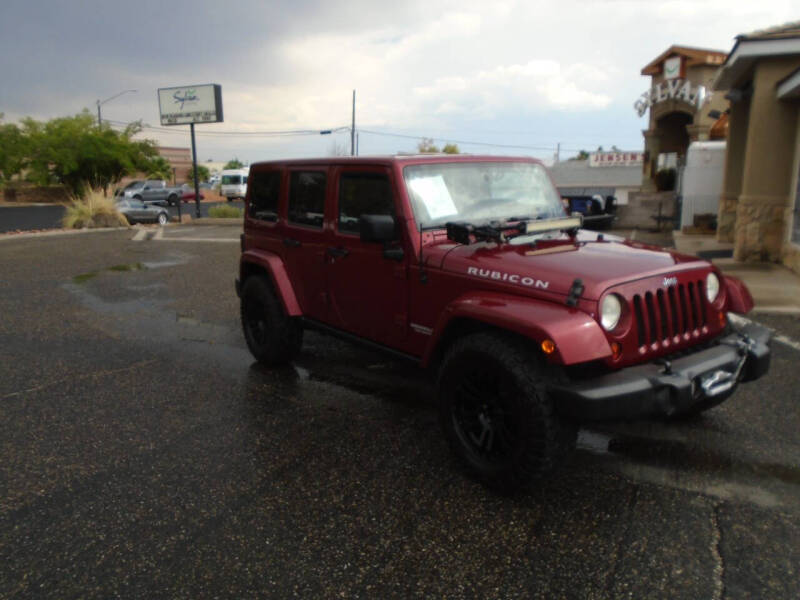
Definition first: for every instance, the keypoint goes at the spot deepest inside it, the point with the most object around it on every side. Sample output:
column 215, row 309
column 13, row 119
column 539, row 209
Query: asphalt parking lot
column 145, row 455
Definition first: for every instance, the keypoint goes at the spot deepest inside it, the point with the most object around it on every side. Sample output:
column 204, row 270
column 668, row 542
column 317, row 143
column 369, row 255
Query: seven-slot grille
column 672, row 313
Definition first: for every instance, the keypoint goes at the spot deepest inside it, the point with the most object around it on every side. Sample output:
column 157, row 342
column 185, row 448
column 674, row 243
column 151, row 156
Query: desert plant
column 92, row 210
column 223, row 211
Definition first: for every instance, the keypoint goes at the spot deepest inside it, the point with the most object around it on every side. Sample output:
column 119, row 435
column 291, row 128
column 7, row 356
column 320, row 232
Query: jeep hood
column 552, row 265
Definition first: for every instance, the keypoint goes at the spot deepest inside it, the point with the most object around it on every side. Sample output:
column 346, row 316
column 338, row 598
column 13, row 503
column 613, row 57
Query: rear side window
column 264, row 193
column 362, row 194
column 307, row 198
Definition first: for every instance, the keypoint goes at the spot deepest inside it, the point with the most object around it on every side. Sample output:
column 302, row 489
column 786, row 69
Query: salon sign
column 671, row 89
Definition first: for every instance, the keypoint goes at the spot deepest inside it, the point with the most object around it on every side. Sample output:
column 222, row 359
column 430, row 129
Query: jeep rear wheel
column 496, row 414
column 272, row 336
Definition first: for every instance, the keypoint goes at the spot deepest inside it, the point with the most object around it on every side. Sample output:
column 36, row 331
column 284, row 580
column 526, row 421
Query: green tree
column 13, row 151
column 582, row 155
column 451, row 149
column 159, row 168
column 426, row 146
column 233, row 164
column 202, row 172
column 75, row 152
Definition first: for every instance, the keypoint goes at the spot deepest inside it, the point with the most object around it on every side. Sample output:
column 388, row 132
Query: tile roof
column 787, row 30
column 694, row 56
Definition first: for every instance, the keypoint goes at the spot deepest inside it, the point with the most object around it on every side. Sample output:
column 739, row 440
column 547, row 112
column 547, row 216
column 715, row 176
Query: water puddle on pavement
column 691, row 467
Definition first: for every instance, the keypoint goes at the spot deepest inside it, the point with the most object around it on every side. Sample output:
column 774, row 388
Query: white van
column 233, row 183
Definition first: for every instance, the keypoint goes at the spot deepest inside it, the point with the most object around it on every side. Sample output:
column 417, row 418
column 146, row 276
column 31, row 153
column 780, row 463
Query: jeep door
column 367, row 287
column 304, row 238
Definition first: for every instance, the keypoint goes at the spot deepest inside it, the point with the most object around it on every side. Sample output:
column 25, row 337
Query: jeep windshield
column 479, row 192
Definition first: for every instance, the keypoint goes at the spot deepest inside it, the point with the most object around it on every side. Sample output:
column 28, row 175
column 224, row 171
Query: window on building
column 307, row 198
column 264, row 194
column 362, row 194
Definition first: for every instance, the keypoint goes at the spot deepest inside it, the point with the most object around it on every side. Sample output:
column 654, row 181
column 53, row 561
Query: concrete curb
column 216, row 221
column 59, row 232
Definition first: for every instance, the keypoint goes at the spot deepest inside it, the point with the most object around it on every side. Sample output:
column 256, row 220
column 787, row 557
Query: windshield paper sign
column 433, row 193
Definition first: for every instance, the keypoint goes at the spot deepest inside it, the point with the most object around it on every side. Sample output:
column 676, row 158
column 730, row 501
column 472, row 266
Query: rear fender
column 739, row 298
column 578, row 338
column 273, row 265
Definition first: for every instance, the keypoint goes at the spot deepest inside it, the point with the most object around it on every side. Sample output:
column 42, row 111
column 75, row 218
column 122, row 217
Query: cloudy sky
column 519, row 77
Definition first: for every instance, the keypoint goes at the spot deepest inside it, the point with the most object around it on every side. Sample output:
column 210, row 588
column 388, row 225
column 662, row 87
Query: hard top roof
column 394, row 159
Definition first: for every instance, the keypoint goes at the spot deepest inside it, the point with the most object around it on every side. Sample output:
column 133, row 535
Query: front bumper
column 669, row 387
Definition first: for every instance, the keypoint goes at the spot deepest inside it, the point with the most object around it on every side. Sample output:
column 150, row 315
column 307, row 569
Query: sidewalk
column 775, row 289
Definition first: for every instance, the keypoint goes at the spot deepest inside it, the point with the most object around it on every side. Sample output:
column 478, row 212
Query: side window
column 362, row 194
column 307, row 198
column 264, row 194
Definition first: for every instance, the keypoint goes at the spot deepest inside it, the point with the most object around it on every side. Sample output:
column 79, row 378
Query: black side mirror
column 377, row 228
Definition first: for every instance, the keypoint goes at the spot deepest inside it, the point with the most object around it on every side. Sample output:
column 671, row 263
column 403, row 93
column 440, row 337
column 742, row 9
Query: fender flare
column 274, row 266
column 739, row 298
column 577, row 336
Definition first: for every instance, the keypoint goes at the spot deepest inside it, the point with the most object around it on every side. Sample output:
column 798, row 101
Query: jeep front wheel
column 496, row 414
column 273, row 337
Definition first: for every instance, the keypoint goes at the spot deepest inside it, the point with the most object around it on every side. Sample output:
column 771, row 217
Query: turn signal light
column 616, row 350
column 722, row 319
column 548, row 346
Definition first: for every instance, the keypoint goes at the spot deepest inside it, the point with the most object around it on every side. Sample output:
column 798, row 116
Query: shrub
column 93, row 210
column 223, row 211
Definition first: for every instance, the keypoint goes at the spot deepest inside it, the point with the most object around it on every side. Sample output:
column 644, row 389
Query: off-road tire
column 500, row 376
column 272, row 336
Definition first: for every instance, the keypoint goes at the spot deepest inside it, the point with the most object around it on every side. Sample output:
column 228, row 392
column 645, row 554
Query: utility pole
column 558, row 152
column 353, row 128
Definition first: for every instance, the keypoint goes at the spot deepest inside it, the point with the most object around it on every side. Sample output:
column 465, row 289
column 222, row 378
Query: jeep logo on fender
column 668, row 281
column 500, row 276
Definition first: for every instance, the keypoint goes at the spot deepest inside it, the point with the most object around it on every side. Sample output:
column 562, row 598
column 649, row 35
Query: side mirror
column 377, row 228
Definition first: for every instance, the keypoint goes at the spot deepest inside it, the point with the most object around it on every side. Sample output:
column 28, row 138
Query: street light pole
column 101, row 102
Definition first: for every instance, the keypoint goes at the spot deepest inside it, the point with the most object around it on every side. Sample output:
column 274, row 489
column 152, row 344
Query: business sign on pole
column 190, row 104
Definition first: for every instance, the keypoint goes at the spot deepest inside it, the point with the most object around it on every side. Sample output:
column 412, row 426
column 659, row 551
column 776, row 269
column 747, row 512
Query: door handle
column 292, row 243
column 337, row 252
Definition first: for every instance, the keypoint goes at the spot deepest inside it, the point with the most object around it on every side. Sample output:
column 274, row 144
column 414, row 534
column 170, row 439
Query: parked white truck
column 233, row 183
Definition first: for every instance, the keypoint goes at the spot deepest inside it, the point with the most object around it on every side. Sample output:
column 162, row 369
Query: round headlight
column 610, row 312
column 712, row 287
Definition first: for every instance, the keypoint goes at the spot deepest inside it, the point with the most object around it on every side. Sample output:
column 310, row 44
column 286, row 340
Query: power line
column 275, row 133
column 466, row 142
column 340, row 129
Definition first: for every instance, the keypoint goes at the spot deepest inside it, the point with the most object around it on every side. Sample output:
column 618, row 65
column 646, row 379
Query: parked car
column 598, row 212
column 470, row 266
column 137, row 211
column 187, row 193
column 152, row 191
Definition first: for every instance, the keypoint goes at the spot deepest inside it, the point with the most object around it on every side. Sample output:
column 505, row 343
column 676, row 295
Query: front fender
column 273, row 265
column 578, row 337
column 739, row 298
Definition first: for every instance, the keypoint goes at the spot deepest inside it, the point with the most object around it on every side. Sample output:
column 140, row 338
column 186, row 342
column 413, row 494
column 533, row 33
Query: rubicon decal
column 510, row 277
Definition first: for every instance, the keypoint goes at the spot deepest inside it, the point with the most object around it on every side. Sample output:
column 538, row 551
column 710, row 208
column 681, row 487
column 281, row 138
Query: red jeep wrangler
column 469, row 265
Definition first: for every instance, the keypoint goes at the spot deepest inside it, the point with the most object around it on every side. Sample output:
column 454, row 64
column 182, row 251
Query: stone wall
column 791, row 257
column 641, row 208
column 761, row 228
column 52, row 194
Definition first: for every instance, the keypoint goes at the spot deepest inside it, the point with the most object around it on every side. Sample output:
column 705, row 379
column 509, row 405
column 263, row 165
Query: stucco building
column 682, row 109
column 760, row 205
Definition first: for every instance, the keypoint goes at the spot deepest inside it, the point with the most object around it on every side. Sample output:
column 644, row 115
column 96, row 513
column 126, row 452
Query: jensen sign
column 671, row 89
column 190, row 104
